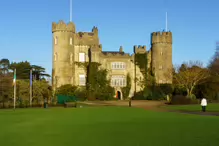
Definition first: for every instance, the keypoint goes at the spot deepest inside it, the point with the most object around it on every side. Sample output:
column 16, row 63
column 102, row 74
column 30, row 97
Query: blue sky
column 25, row 28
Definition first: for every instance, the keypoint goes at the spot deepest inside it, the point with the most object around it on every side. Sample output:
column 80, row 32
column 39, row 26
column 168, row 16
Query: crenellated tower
column 63, row 55
column 161, row 56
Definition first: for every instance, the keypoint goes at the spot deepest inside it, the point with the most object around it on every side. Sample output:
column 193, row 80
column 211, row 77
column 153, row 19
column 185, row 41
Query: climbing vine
column 97, row 85
column 126, row 89
column 141, row 61
column 82, row 64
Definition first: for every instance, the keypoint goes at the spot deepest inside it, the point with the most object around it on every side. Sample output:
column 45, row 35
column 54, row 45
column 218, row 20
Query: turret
column 161, row 37
column 63, row 59
column 62, row 26
column 161, row 57
column 139, row 49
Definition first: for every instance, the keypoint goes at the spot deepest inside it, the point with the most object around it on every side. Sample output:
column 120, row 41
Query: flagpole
column 30, row 87
column 166, row 22
column 70, row 10
column 14, row 87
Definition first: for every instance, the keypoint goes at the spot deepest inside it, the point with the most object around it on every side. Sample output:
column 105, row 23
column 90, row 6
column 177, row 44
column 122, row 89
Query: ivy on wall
column 141, row 61
column 82, row 64
column 126, row 89
column 97, row 85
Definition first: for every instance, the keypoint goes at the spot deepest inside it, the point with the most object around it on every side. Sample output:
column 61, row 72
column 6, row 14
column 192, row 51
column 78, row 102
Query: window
column 161, row 51
column 55, row 57
column 160, row 67
column 56, row 40
column 70, row 40
column 71, row 58
column 118, row 65
column 82, row 80
column 119, row 81
column 81, row 57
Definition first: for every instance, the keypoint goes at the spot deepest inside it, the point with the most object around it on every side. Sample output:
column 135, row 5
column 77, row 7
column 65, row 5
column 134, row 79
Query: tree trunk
column 189, row 92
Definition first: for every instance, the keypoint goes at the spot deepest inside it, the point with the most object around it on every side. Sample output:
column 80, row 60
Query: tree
column 6, row 88
column 101, row 86
column 214, row 64
column 126, row 89
column 39, row 72
column 210, row 88
column 23, row 92
column 4, row 66
column 189, row 75
column 67, row 89
column 22, row 69
column 5, row 81
column 41, row 91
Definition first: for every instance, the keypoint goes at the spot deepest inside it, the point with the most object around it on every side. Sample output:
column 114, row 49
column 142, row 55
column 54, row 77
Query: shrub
column 177, row 90
column 166, row 88
column 182, row 100
column 139, row 96
column 66, row 89
column 81, row 94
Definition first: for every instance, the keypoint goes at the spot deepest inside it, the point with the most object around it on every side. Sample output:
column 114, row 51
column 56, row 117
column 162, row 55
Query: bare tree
column 190, row 74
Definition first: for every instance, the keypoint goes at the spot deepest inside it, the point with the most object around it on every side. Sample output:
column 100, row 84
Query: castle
column 70, row 46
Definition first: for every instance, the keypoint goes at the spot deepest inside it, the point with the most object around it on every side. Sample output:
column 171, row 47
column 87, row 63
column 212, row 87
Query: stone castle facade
column 70, row 46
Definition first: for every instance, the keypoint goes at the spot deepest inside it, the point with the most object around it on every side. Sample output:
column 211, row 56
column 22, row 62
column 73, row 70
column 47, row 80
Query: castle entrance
column 118, row 95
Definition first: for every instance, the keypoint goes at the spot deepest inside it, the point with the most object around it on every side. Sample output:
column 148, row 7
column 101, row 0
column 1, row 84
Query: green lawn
column 105, row 126
column 213, row 107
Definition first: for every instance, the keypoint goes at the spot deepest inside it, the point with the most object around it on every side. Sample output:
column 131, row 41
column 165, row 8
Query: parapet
column 161, row 37
column 62, row 26
column 95, row 30
column 139, row 49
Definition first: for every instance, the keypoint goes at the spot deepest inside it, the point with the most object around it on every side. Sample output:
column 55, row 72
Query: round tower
column 63, row 58
column 161, row 56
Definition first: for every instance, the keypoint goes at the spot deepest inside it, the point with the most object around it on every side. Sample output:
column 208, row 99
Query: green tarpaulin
column 61, row 99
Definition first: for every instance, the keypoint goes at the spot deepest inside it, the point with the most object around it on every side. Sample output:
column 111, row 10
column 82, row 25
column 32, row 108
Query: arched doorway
column 118, row 95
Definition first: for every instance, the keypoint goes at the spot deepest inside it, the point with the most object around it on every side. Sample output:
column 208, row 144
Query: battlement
column 161, row 37
column 87, row 38
column 95, row 30
column 62, row 26
column 111, row 54
column 139, row 49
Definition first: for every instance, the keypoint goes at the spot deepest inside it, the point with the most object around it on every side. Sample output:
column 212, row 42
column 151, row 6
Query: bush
column 179, row 91
column 193, row 97
column 66, row 89
column 81, row 94
column 139, row 96
column 166, row 88
column 182, row 100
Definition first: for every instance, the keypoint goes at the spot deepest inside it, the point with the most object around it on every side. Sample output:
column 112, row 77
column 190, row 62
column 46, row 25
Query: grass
column 213, row 107
column 105, row 126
